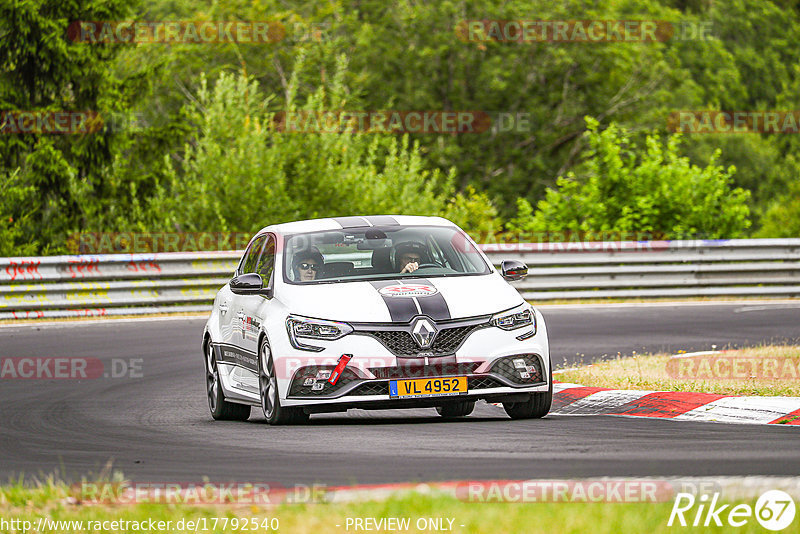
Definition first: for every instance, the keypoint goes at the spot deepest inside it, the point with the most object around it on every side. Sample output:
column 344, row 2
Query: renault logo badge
column 423, row 331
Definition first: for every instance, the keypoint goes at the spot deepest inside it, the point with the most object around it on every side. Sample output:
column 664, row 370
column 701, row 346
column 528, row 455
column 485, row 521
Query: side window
column 267, row 262
column 251, row 256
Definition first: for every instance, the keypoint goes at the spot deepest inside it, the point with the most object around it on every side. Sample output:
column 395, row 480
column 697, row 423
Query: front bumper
column 486, row 357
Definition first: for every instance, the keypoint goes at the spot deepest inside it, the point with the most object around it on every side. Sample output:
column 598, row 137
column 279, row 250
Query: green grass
column 53, row 501
column 650, row 372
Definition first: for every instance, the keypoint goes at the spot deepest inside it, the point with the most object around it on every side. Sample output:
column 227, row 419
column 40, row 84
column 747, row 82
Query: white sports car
column 374, row 312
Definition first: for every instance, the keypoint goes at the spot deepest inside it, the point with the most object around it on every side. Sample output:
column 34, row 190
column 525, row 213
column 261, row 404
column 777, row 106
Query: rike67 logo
column 774, row 510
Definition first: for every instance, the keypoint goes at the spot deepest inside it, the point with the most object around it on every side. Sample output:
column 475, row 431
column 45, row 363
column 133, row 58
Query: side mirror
column 513, row 270
column 247, row 284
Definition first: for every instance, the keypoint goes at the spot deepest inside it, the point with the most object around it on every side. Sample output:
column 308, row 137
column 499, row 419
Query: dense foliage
column 626, row 190
column 188, row 140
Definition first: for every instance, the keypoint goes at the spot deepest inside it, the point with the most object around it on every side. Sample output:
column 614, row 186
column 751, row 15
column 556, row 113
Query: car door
column 227, row 301
column 248, row 265
column 252, row 305
column 242, row 362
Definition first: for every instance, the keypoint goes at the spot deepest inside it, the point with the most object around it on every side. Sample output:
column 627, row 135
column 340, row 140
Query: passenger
column 307, row 264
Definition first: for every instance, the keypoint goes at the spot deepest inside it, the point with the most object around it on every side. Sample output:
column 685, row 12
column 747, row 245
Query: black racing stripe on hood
column 401, row 310
column 434, row 306
column 404, row 309
column 352, row 222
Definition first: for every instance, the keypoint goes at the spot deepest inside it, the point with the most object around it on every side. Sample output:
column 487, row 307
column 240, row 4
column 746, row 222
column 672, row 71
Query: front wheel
column 268, row 390
column 536, row 407
column 221, row 410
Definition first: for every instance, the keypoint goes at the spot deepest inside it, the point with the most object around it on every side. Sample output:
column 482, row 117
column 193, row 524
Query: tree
column 43, row 71
column 241, row 173
column 16, row 203
column 621, row 188
column 782, row 216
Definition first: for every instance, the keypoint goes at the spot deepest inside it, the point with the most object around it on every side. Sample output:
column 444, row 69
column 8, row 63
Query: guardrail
column 652, row 269
column 123, row 284
column 112, row 284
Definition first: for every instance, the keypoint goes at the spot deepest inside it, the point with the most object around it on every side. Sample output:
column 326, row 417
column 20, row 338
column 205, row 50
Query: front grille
column 422, row 371
column 371, row 388
column 400, row 342
column 483, row 382
column 506, row 368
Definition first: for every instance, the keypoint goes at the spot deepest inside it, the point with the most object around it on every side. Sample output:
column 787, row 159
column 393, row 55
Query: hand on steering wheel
column 413, row 266
column 410, row 267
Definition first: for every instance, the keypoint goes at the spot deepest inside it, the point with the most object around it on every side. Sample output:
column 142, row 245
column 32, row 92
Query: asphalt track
column 156, row 428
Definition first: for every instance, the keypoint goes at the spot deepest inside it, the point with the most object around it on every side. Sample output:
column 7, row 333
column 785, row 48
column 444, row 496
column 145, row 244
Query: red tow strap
column 337, row 371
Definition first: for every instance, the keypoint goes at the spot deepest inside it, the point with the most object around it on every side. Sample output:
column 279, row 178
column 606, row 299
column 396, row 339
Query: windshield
column 380, row 253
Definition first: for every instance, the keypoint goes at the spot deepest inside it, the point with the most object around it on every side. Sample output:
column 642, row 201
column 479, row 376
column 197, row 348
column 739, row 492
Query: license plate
column 428, row 387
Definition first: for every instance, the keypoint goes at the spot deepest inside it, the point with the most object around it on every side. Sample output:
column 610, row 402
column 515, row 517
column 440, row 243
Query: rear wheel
column 456, row 409
column 268, row 389
column 221, row 409
column 537, row 406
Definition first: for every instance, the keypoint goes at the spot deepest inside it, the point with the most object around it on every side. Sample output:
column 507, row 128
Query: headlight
column 514, row 319
column 302, row 327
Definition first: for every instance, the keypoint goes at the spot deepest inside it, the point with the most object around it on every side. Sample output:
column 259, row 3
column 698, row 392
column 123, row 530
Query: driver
column 408, row 255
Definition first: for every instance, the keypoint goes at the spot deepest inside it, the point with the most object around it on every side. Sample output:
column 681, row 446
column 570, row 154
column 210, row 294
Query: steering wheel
column 423, row 265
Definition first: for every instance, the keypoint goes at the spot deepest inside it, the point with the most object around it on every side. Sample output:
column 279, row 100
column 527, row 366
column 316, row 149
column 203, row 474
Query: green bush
column 621, row 188
column 474, row 212
column 782, row 216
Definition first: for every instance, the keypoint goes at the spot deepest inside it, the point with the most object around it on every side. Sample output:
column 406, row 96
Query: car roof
column 355, row 221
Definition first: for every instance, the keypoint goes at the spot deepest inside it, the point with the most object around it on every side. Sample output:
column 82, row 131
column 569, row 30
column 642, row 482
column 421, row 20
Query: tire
column 534, row 408
column 221, row 410
column 456, row 409
column 268, row 392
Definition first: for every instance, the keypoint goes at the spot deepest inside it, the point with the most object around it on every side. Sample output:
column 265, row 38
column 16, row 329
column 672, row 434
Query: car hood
column 400, row 300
